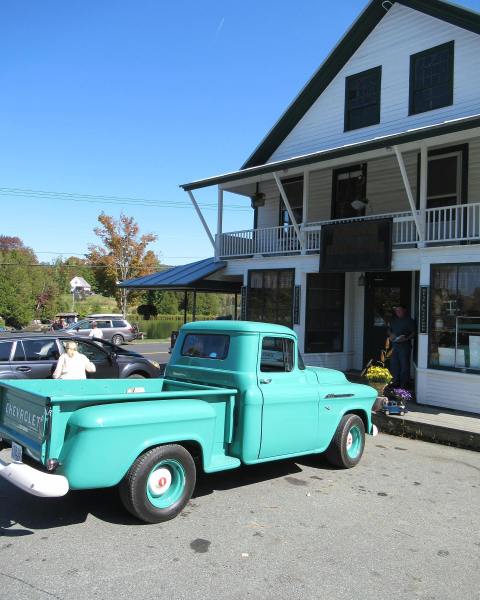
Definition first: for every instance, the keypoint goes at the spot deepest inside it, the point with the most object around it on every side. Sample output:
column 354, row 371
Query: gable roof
column 343, row 51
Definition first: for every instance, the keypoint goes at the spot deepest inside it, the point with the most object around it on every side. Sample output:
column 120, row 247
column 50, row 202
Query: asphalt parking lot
column 403, row 524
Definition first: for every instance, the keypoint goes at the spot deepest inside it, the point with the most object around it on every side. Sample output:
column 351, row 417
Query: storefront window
column 455, row 317
column 270, row 296
column 325, row 310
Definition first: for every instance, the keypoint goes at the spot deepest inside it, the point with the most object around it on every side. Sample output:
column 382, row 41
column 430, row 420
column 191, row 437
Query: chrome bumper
column 28, row 479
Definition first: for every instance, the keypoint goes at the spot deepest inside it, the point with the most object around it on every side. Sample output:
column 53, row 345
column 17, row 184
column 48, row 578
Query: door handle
column 265, row 381
column 24, row 369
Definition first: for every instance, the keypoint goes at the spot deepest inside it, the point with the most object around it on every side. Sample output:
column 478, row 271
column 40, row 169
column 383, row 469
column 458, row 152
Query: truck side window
column 277, row 355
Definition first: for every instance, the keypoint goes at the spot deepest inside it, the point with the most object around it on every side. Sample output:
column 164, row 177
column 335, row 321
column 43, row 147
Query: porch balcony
column 441, row 226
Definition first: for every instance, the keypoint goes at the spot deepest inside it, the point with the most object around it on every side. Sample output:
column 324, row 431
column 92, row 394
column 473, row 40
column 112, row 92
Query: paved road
column 156, row 351
column 403, row 524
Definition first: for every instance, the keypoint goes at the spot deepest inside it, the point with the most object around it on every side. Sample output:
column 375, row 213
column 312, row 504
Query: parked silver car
column 115, row 329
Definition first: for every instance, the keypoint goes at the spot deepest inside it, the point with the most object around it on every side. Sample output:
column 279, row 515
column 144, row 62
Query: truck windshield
column 206, row 346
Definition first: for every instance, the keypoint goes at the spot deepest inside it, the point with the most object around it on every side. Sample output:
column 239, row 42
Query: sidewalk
column 430, row 424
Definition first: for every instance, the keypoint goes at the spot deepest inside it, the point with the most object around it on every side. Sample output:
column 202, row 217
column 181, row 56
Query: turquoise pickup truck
column 234, row 393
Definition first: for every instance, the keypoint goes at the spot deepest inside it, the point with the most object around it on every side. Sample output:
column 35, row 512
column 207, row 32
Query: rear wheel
column 346, row 447
column 136, row 376
column 117, row 339
column 159, row 484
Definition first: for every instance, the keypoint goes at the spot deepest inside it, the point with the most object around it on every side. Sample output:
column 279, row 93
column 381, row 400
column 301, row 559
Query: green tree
column 123, row 254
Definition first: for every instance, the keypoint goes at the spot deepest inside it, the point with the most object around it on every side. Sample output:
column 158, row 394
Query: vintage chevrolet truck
column 234, row 392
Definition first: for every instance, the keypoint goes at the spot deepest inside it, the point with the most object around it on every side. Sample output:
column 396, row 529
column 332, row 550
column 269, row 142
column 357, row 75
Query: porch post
column 408, row 190
column 423, row 188
column 219, row 221
column 200, row 216
column 185, row 301
column 236, row 308
column 194, row 307
column 306, row 197
column 289, row 209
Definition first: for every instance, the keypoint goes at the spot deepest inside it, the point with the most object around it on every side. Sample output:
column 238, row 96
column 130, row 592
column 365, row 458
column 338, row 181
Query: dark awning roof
column 186, row 277
column 376, row 143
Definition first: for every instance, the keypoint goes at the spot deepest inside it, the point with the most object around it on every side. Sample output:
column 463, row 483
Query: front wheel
column 117, row 339
column 159, row 484
column 346, row 447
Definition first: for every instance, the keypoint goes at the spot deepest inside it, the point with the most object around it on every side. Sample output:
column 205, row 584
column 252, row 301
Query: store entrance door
column 383, row 291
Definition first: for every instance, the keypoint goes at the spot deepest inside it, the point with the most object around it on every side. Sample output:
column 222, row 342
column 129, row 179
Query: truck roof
column 238, row 326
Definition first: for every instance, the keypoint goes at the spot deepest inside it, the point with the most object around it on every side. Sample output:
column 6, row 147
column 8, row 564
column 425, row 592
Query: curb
column 427, row 432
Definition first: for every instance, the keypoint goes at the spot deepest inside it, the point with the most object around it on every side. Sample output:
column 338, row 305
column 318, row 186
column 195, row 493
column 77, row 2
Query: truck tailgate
column 23, row 418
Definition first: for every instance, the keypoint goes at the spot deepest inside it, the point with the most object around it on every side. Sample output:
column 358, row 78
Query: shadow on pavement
column 22, row 514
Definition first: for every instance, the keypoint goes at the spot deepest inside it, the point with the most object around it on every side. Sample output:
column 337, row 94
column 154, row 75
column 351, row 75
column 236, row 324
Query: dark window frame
column 431, row 318
column 335, row 173
column 249, row 293
column 307, row 350
column 412, row 110
column 464, row 150
column 349, row 82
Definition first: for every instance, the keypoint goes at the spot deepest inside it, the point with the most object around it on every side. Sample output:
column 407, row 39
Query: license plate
column 17, row 452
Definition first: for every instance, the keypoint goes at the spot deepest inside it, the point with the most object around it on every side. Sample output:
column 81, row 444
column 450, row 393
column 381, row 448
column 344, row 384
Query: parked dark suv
column 34, row 356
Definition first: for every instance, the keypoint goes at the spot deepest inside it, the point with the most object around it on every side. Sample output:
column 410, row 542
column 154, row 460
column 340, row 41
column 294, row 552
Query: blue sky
column 130, row 99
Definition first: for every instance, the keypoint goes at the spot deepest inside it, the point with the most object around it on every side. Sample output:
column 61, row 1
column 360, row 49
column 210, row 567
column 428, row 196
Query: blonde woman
column 72, row 364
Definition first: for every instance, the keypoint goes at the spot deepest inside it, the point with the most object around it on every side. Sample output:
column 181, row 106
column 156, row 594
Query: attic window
column 431, row 79
column 362, row 99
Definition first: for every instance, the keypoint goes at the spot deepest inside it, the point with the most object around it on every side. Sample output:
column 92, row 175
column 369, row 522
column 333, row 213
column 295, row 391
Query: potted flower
column 378, row 377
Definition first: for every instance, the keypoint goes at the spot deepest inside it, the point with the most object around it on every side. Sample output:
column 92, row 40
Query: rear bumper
column 33, row 481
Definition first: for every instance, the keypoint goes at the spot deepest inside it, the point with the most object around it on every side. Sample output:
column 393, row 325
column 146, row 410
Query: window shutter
column 243, row 303
column 296, row 305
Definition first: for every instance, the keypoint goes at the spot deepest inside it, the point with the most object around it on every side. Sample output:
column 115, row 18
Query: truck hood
column 327, row 377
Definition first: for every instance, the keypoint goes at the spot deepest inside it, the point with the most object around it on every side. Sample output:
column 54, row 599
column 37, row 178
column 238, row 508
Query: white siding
column 401, row 33
column 458, row 391
column 268, row 214
column 474, row 171
column 320, row 200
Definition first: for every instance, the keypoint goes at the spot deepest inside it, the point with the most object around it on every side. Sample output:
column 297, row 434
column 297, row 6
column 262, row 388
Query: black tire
column 136, row 376
column 339, row 452
column 117, row 339
column 134, row 491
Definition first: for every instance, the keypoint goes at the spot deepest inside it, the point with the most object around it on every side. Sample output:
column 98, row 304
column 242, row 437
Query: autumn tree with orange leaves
column 122, row 255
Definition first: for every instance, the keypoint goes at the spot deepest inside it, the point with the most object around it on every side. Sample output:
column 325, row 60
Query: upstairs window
column 362, row 99
column 294, row 192
column 431, row 79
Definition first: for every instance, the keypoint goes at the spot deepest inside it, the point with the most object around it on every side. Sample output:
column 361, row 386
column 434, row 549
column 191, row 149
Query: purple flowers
column 402, row 394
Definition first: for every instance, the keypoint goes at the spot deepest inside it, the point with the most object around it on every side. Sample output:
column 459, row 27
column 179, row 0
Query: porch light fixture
column 359, row 204
column 361, row 280
column 258, row 198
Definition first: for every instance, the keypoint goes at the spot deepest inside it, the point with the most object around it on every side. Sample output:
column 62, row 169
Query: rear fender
column 102, row 442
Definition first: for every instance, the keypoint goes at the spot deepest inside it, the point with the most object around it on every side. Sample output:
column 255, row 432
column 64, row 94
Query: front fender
column 102, row 442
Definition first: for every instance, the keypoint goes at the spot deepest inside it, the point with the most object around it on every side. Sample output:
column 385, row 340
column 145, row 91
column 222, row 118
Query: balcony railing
column 445, row 225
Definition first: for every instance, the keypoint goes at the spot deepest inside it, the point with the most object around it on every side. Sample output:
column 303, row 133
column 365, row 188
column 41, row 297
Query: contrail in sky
column 219, row 28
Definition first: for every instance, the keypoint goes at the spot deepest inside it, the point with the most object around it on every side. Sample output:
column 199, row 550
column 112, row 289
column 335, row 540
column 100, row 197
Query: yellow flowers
column 379, row 374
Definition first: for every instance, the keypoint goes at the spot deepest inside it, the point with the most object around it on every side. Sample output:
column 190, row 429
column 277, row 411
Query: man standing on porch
column 401, row 331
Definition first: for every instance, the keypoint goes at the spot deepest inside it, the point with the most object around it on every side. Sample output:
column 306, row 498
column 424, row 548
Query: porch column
column 306, row 197
column 219, row 222
column 423, row 189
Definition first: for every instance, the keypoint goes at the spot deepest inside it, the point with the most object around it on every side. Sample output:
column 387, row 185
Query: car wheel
column 136, row 376
column 117, row 339
column 159, row 484
column 346, row 447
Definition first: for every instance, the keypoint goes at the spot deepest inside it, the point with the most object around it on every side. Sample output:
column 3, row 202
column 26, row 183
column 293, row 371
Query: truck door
column 290, row 400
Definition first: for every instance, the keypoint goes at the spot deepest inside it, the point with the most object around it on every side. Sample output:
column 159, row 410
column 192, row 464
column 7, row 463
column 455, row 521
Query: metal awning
column 412, row 135
column 190, row 277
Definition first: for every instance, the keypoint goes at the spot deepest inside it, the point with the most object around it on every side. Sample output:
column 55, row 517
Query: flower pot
column 378, row 385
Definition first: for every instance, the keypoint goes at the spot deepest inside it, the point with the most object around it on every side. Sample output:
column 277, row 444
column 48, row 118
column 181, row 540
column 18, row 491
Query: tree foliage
column 123, row 254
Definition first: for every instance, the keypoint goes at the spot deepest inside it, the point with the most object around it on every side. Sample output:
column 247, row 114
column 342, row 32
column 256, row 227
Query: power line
column 114, row 200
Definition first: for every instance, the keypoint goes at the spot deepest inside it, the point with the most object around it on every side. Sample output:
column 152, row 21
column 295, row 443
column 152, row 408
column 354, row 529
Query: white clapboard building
column 366, row 194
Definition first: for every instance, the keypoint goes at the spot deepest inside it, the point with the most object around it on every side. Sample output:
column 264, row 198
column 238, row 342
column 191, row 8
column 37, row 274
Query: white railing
column 441, row 225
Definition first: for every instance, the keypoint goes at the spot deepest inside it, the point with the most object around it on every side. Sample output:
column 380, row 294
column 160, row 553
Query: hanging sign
column 423, row 309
